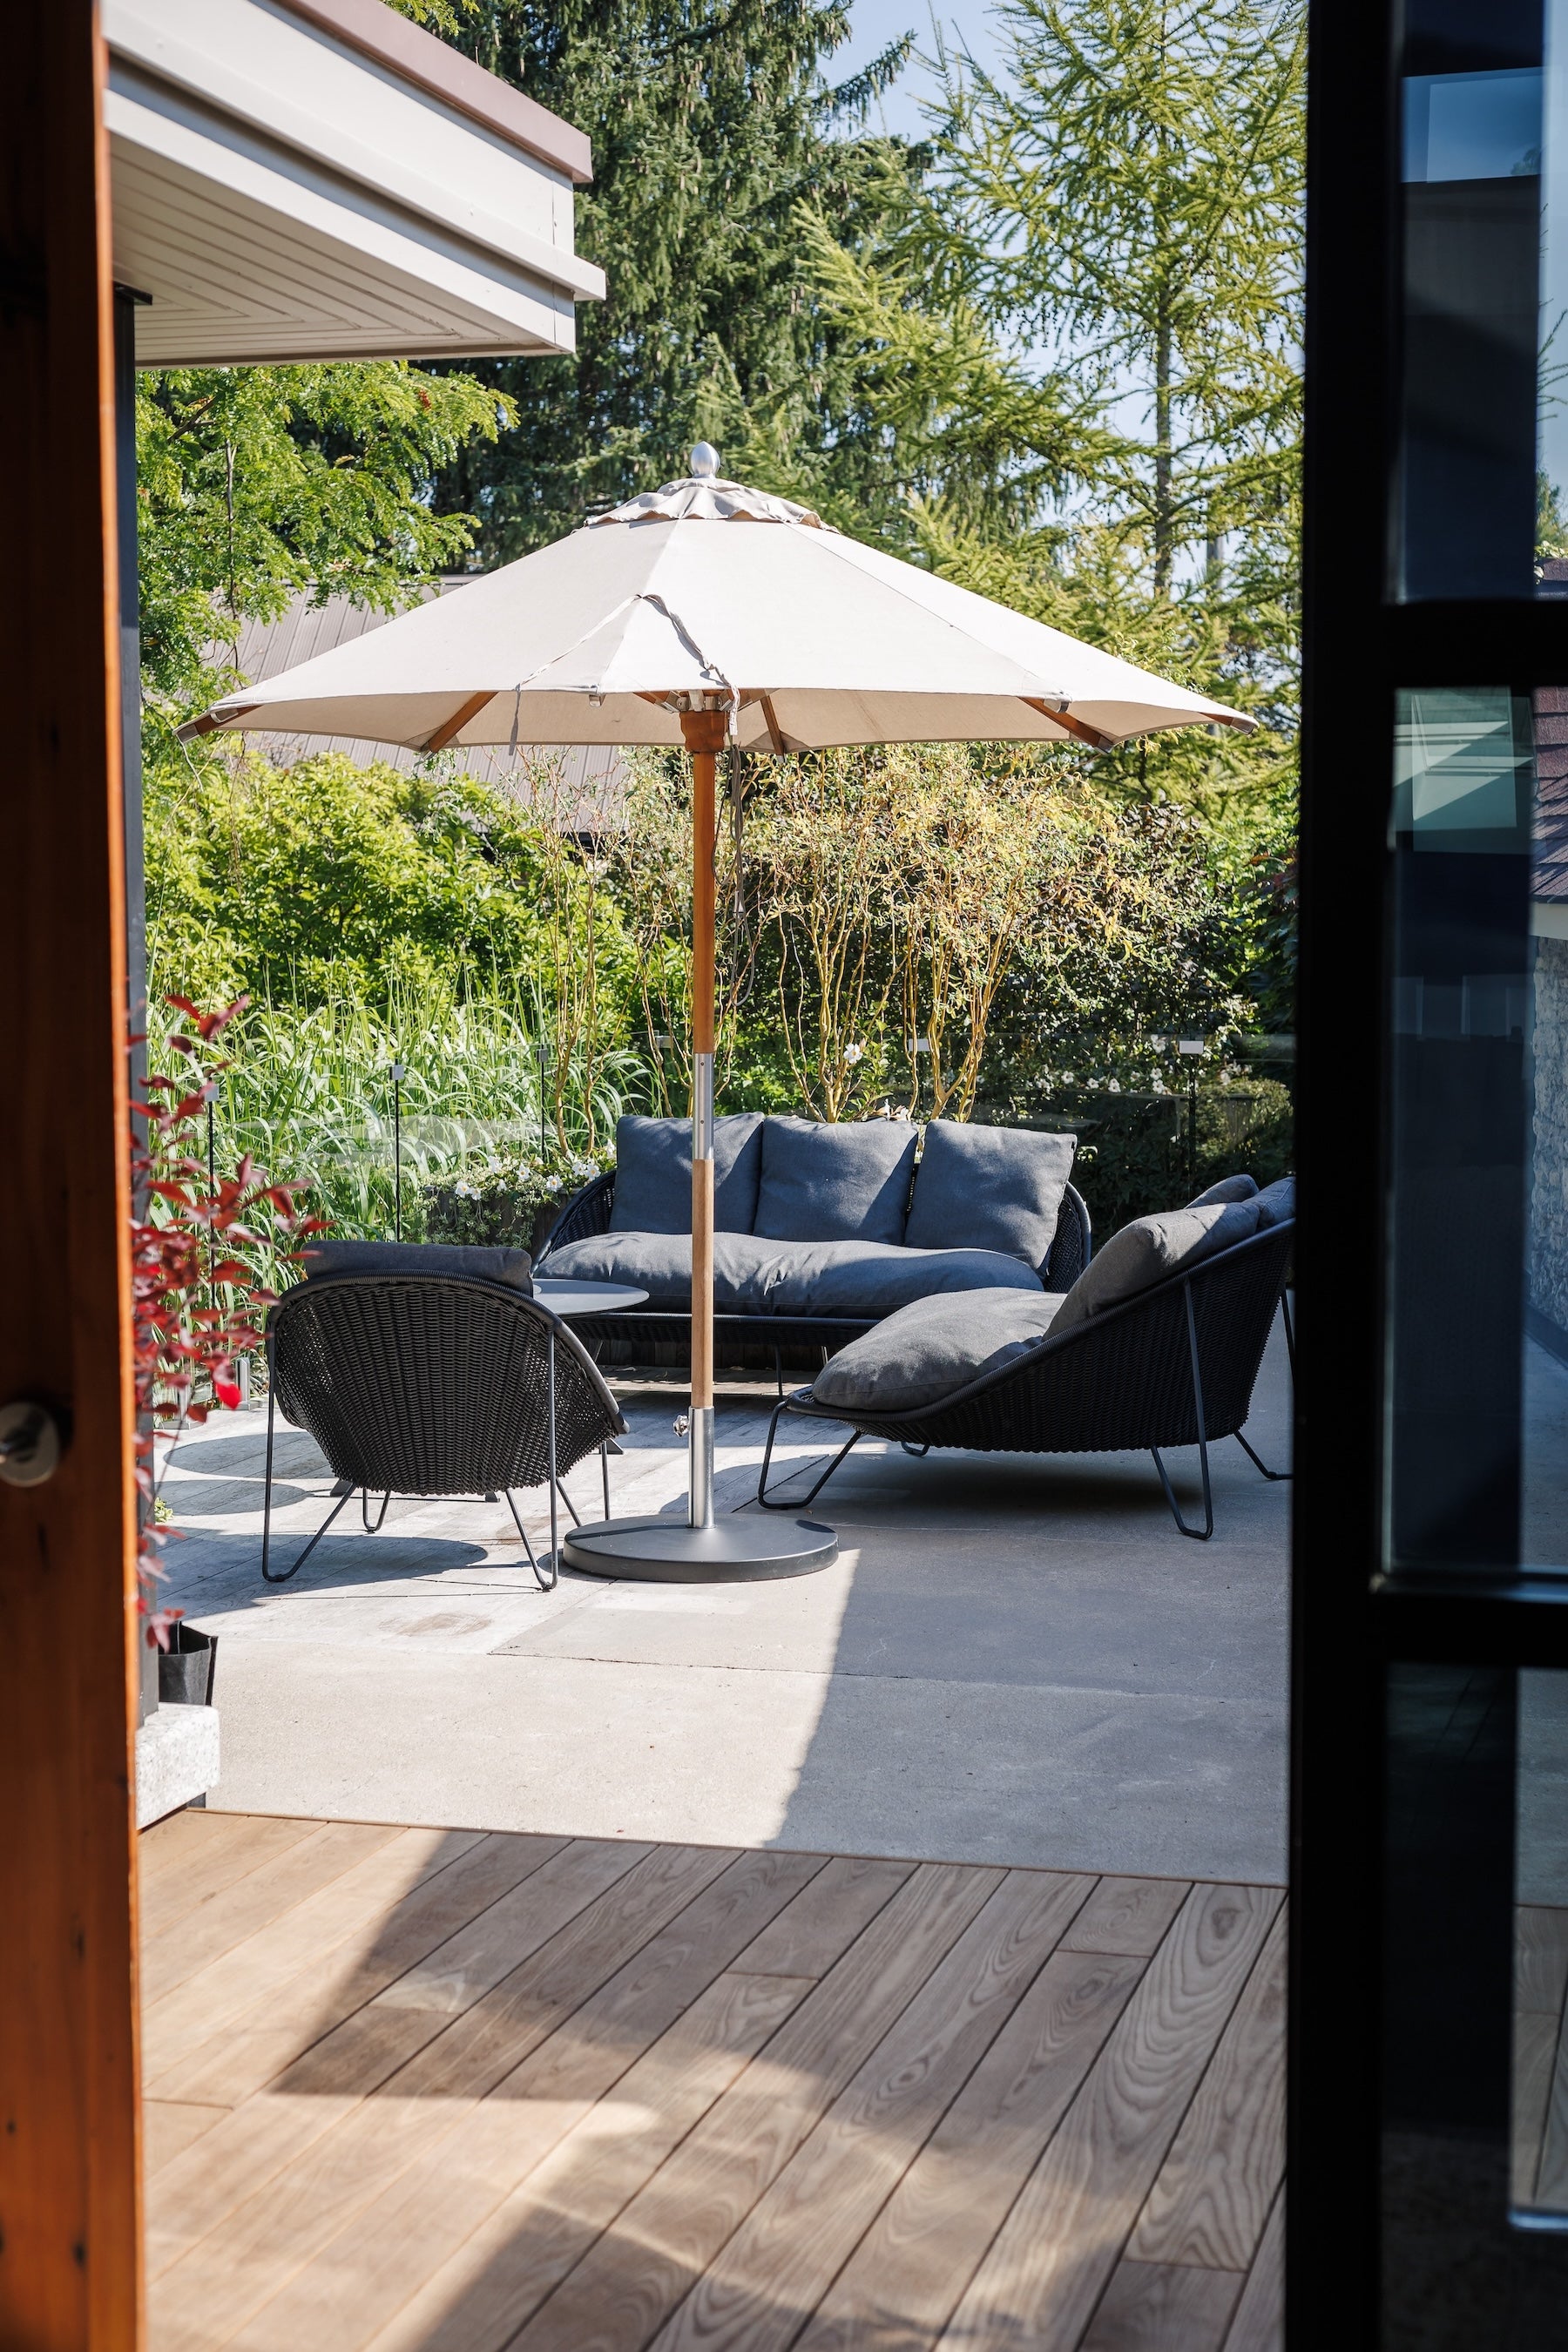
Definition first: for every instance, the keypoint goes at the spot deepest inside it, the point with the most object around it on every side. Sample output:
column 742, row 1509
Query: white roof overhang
column 318, row 179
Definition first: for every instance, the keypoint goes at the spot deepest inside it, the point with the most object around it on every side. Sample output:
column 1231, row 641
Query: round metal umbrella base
column 666, row 1551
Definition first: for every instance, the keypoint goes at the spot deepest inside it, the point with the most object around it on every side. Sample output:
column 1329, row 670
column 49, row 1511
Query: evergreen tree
column 1080, row 335
column 712, row 124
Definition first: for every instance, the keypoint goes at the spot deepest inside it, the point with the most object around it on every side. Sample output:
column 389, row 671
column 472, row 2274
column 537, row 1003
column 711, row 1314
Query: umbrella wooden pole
column 704, row 733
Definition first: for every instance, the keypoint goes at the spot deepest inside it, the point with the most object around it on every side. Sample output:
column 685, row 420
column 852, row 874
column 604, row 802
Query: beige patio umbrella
column 652, row 625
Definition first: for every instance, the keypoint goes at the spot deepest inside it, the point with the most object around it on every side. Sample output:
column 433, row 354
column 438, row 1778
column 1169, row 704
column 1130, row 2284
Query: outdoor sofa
column 1158, row 1343
column 822, row 1230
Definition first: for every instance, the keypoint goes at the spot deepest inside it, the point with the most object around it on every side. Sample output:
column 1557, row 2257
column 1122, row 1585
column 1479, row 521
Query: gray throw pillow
column 1150, row 1250
column 1277, row 1203
column 653, row 1175
column 845, row 1184
column 934, row 1347
column 993, row 1188
column 1229, row 1188
column 514, row 1267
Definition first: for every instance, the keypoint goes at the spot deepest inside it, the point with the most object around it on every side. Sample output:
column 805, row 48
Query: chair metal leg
column 576, row 1514
column 364, row 1511
column 778, row 1373
column 763, row 1496
column 1258, row 1459
column 523, row 1531
column 1289, row 1330
column 604, row 1472
column 555, row 1486
column 266, row 1517
column 915, row 1452
column 1199, row 1535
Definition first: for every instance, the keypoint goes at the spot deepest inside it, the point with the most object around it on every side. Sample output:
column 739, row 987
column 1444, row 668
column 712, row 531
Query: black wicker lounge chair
column 433, row 1384
column 1174, row 1365
column 587, row 1212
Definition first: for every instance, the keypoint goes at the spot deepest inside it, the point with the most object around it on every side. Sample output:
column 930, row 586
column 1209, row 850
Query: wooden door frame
column 69, row 2161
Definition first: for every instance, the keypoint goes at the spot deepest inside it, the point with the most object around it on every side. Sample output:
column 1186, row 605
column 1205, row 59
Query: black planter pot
column 187, row 1668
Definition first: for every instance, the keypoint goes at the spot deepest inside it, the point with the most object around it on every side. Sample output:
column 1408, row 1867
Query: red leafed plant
column 196, row 1307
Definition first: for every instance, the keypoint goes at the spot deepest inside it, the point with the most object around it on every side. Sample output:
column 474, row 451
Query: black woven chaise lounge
column 588, row 1212
column 433, row 1384
column 1176, row 1365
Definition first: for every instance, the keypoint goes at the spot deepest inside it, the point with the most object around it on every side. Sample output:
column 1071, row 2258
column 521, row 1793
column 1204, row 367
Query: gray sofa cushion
column 1151, row 1248
column 933, row 1347
column 514, row 1267
column 1277, row 1203
column 993, row 1187
column 752, row 1275
column 843, row 1184
column 1229, row 1188
column 653, row 1175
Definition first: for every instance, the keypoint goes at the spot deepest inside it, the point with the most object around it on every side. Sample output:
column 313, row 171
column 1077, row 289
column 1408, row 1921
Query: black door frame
column 1388, row 1845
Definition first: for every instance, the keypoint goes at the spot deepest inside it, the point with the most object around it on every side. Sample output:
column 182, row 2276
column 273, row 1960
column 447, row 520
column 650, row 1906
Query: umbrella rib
column 458, row 721
column 1069, row 725
column 211, row 721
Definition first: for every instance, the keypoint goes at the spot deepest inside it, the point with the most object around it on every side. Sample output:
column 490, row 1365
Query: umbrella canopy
column 806, row 636
column 697, row 614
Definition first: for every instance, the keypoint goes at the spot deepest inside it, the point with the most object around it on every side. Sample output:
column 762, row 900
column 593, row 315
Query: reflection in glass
column 1463, row 791
column 1539, row 2102
column 1477, row 95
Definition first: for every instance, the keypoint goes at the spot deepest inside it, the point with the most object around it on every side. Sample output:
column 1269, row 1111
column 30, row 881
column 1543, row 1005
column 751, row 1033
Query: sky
column 877, row 22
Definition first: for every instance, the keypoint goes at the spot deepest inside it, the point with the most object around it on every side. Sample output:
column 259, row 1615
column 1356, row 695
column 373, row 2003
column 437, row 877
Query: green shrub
column 1134, row 1155
column 509, row 1205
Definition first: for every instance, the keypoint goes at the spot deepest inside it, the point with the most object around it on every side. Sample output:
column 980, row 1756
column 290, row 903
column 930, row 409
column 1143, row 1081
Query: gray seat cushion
column 843, row 1184
column 653, row 1175
column 995, row 1188
column 514, row 1267
column 751, row 1276
column 932, row 1348
column 1150, row 1249
column 1277, row 1203
column 1229, row 1188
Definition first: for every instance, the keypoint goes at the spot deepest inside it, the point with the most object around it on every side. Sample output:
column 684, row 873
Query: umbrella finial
column 704, row 461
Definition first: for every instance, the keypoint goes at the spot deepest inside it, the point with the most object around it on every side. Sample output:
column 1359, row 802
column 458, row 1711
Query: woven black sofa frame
column 433, row 1384
column 1175, row 1366
column 587, row 1212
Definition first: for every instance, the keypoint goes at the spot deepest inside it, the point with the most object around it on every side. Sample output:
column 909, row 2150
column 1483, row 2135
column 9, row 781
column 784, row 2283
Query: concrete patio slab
column 1014, row 1660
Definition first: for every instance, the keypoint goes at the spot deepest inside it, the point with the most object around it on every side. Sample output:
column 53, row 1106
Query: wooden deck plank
column 495, row 2281
column 275, row 2127
column 1053, row 2257
column 259, row 2043
column 775, row 2269
column 350, row 1906
column 263, row 2242
column 899, row 2290
column 818, row 1927
column 169, row 2128
column 1127, row 1915
column 1259, row 2322
column 634, row 2276
column 362, row 2276
column 1215, row 2188
column 495, row 2093
column 1552, row 2178
column 275, row 1886
column 181, row 1869
column 1539, row 1986
column 1541, row 1958
column 1163, row 2307
column 1534, row 2067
